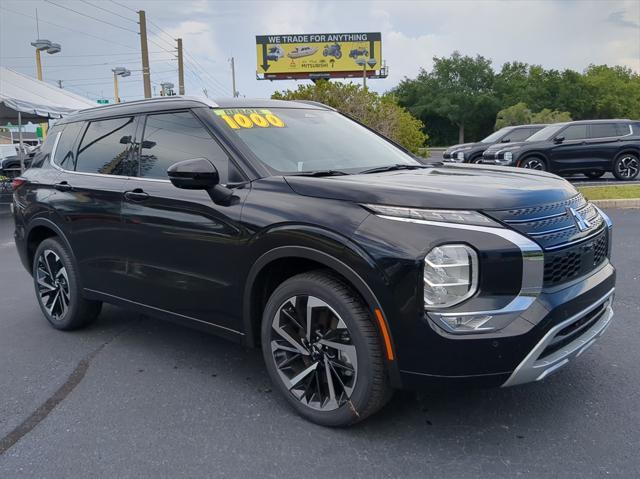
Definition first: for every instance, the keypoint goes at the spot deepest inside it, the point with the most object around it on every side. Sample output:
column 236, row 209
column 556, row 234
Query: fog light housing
column 450, row 275
column 460, row 156
column 508, row 156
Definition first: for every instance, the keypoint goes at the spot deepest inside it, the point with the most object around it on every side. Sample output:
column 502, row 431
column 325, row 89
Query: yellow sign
column 238, row 118
column 320, row 54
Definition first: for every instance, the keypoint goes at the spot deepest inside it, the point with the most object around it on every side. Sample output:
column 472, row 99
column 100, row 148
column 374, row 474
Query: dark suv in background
column 288, row 225
column 472, row 152
column 591, row 147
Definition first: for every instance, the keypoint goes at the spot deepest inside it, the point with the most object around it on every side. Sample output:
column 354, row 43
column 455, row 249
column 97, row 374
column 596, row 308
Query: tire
column 626, row 167
column 534, row 163
column 57, row 288
column 349, row 382
column 594, row 175
column 476, row 160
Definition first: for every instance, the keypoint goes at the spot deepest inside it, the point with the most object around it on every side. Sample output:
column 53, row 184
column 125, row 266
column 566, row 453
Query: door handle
column 136, row 195
column 62, row 186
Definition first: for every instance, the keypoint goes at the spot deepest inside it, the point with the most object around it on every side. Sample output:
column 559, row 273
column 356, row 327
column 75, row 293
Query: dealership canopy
column 35, row 100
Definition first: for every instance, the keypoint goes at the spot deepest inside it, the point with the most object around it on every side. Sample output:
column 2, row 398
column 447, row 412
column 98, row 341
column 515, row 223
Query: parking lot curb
column 620, row 203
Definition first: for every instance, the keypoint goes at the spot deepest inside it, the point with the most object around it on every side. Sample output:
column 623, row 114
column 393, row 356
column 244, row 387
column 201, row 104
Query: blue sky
column 555, row 34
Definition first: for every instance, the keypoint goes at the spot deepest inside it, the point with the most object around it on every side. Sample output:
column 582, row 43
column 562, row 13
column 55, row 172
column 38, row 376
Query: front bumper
column 557, row 328
column 574, row 336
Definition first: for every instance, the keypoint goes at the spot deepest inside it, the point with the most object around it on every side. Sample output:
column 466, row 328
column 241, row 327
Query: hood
column 454, row 186
column 465, row 145
column 515, row 144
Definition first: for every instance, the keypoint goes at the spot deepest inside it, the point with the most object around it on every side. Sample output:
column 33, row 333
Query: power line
column 92, row 18
column 123, row 6
column 2, row 7
column 30, row 57
column 109, row 11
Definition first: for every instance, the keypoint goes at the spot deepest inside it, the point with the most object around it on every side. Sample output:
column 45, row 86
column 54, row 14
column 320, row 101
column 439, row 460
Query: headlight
column 450, row 275
column 442, row 216
column 460, row 156
column 508, row 156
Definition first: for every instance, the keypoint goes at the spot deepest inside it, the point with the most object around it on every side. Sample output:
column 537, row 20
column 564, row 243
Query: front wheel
column 594, row 175
column 534, row 164
column 323, row 351
column 626, row 167
column 58, row 290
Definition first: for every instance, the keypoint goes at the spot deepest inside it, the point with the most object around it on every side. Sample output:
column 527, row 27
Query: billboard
column 319, row 55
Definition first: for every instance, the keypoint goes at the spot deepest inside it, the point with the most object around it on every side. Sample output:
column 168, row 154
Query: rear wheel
column 534, row 163
column 57, row 288
column 594, row 175
column 626, row 167
column 322, row 350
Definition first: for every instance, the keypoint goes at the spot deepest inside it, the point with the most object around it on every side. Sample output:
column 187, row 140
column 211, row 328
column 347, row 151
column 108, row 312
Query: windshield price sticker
column 238, row 118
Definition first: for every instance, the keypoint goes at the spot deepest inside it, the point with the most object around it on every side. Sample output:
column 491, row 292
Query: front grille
column 570, row 252
column 574, row 261
column 552, row 225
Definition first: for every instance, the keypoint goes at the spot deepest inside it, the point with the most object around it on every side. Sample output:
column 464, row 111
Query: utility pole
column 180, row 68
column 233, row 78
column 60, row 84
column 144, row 48
column 116, row 94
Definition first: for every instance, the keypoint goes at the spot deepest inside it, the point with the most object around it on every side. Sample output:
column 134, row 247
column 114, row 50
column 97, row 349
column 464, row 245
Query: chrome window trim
column 532, row 266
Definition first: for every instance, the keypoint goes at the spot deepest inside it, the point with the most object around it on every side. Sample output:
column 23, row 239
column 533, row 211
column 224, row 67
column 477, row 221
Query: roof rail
column 204, row 100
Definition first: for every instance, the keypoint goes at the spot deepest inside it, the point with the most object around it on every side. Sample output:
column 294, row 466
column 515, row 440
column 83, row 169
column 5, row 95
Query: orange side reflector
column 385, row 334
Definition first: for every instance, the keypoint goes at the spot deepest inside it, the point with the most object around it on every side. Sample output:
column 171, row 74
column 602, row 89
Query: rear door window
column 106, row 148
column 624, row 129
column 172, row 137
column 520, row 134
column 603, row 130
column 574, row 132
column 65, row 153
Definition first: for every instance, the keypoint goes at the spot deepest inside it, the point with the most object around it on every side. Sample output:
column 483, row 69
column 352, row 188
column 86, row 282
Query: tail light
column 17, row 183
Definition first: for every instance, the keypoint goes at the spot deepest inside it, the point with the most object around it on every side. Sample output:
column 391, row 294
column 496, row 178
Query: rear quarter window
column 44, row 154
column 64, row 155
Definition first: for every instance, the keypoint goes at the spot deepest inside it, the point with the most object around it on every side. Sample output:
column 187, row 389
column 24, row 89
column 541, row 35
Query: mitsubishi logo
column 581, row 222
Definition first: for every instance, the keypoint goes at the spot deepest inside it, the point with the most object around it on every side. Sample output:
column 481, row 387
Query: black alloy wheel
column 626, row 167
column 323, row 351
column 534, row 164
column 57, row 288
column 594, row 175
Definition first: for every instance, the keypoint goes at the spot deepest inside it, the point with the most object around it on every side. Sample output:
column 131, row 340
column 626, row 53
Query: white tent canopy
column 35, row 100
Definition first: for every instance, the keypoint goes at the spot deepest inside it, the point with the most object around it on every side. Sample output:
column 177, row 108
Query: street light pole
column 116, row 95
column 38, row 65
column 118, row 71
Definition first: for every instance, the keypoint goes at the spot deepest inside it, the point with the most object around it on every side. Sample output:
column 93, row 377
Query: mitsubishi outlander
column 290, row 227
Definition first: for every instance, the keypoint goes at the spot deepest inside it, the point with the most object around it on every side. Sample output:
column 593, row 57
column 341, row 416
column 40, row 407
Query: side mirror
column 195, row 174
column 558, row 139
column 505, row 140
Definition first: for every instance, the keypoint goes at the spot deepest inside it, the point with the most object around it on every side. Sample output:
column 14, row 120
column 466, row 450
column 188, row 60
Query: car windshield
column 292, row 141
column 546, row 133
column 495, row 136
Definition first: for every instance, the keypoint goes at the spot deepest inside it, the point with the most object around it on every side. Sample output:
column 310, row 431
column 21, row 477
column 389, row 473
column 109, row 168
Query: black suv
column 287, row 225
column 472, row 152
column 590, row 147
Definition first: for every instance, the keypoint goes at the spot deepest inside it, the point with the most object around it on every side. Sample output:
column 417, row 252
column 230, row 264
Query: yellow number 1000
column 254, row 119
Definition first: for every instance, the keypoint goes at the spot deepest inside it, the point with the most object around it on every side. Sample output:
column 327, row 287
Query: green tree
column 614, row 92
column 458, row 88
column 550, row 116
column 518, row 114
column 380, row 112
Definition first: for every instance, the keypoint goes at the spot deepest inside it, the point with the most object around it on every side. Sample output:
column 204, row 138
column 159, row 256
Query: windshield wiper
column 399, row 166
column 319, row 173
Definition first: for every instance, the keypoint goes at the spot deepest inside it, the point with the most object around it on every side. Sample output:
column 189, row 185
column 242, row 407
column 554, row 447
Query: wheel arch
column 535, row 154
column 279, row 261
column 40, row 229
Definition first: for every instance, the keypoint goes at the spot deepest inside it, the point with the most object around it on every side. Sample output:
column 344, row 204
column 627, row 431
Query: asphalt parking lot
column 135, row 397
